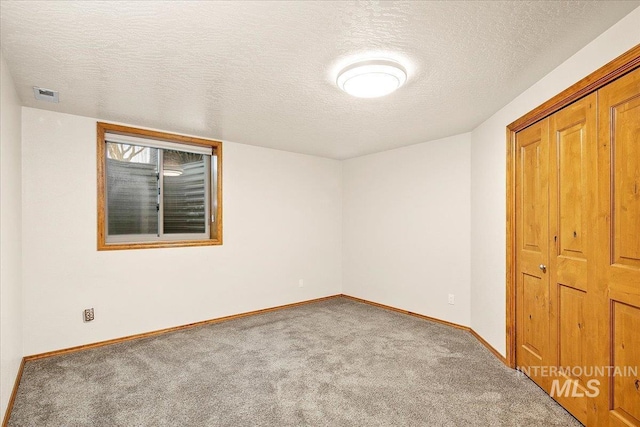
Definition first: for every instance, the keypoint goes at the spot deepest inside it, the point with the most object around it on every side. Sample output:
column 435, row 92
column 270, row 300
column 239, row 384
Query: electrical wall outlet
column 452, row 299
column 301, row 283
column 88, row 315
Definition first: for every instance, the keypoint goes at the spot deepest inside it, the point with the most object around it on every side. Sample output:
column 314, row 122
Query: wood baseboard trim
column 14, row 393
column 410, row 313
column 489, row 347
column 433, row 319
column 172, row 329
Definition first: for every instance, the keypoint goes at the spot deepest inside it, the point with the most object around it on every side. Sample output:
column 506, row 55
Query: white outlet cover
column 88, row 315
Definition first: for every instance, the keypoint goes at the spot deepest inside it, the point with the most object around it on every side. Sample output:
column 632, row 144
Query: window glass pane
column 184, row 198
column 132, row 189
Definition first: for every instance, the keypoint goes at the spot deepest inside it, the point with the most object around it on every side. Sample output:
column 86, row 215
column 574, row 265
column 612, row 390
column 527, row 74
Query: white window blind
column 156, row 143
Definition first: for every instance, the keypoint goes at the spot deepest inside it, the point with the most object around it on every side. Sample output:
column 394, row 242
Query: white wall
column 406, row 228
column 10, row 236
column 419, row 223
column 282, row 223
column 488, row 176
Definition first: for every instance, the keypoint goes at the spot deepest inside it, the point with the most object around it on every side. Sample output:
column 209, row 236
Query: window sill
column 152, row 245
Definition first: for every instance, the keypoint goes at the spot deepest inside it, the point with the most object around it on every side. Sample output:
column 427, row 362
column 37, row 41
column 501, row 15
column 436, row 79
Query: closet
column 576, row 219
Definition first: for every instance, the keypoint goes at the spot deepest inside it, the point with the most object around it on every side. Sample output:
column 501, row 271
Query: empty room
column 320, row 213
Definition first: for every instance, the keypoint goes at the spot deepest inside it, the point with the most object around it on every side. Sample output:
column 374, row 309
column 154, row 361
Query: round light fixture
column 171, row 172
column 172, row 163
column 371, row 79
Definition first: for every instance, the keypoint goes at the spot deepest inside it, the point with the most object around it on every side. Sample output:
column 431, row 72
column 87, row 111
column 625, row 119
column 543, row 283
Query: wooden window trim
column 215, row 229
column 620, row 66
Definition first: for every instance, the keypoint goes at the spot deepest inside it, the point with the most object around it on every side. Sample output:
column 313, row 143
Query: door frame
column 623, row 64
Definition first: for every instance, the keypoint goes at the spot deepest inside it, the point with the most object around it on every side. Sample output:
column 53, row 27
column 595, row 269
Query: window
column 157, row 189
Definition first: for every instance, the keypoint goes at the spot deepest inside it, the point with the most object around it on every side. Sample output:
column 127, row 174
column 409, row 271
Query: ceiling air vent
column 43, row 94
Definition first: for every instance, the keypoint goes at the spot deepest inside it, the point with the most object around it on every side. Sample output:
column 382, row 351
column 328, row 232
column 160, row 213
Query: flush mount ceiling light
column 371, row 79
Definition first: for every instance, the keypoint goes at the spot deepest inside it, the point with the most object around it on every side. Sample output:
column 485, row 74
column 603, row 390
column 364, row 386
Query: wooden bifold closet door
column 577, row 249
column 617, row 282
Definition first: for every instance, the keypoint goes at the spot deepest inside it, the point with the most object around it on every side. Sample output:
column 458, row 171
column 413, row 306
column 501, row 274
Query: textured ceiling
column 263, row 73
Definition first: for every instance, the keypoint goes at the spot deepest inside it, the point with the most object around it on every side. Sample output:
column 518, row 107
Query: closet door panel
column 571, row 342
column 618, row 282
column 620, row 169
column 625, row 144
column 626, row 348
column 535, row 294
column 571, row 149
column 532, row 284
column 572, row 172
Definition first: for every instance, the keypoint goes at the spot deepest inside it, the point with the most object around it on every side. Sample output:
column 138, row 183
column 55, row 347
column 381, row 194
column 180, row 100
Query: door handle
column 543, row 268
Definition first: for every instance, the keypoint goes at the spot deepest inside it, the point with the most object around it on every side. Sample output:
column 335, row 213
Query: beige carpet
column 331, row 363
